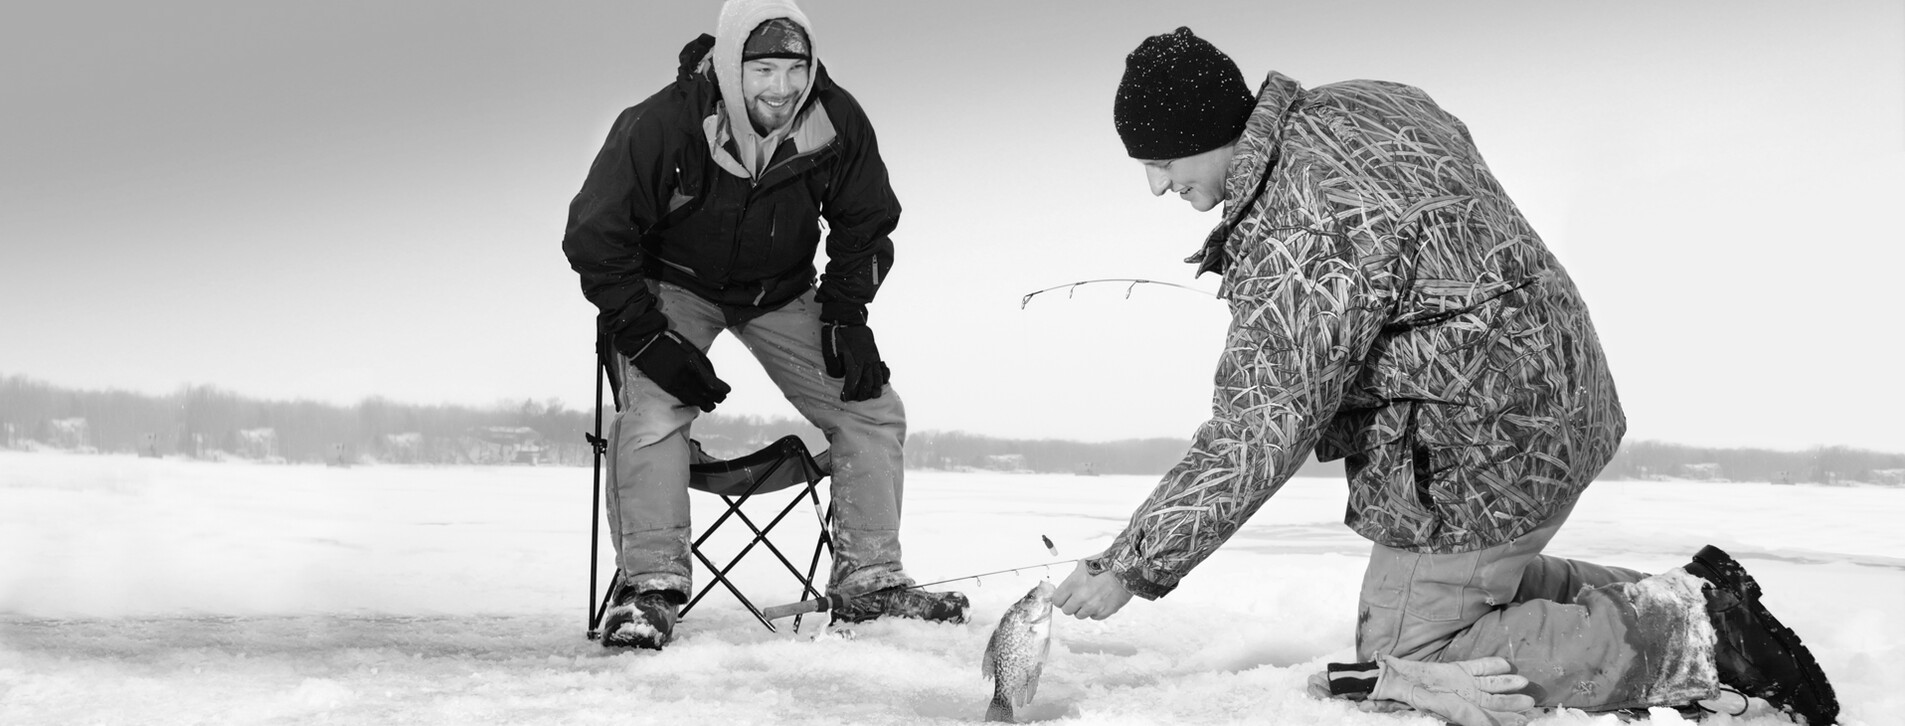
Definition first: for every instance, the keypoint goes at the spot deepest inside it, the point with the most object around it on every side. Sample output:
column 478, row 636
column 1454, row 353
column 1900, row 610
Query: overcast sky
column 333, row 200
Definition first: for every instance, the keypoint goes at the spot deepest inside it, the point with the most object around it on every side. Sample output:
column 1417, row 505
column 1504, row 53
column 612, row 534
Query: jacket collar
column 810, row 131
column 1250, row 168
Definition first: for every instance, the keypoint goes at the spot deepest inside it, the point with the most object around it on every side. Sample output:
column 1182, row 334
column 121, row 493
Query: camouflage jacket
column 1389, row 307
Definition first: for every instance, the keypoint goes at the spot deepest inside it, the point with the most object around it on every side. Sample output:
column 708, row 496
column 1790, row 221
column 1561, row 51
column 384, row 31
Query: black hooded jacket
column 656, row 206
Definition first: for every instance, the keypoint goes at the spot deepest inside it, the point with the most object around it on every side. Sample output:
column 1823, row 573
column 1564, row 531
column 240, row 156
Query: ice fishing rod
column 1049, row 547
column 1014, row 570
column 823, row 604
column 1069, row 288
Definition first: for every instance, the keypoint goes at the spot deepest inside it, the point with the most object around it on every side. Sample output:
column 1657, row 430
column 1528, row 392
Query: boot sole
column 631, row 643
column 1813, row 676
column 1719, row 561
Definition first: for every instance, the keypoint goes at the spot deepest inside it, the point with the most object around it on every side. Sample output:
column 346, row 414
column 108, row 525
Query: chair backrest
column 774, row 467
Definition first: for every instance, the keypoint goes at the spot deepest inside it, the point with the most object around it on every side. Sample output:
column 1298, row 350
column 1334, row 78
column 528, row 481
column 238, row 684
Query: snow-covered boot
column 901, row 602
column 1754, row 653
column 639, row 620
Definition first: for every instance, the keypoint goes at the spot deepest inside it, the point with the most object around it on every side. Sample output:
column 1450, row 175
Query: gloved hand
column 681, row 369
column 850, row 353
column 1476, row 692
column 1471, row 693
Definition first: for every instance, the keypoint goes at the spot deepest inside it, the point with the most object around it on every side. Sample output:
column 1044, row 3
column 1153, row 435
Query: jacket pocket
column 677, row 200
column 792, row 234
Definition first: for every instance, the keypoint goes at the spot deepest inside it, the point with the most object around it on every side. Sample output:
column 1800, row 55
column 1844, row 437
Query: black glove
column 851, row 354
column 681, row 369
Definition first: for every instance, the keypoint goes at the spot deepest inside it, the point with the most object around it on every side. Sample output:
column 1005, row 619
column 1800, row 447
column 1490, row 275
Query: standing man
column 702, row 214
column 1391, row 307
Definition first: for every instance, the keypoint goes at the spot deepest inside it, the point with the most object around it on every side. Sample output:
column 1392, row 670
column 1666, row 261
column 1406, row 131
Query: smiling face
column 1198, row 179
column 771, row 87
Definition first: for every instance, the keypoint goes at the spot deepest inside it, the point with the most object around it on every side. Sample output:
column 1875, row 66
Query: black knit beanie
column 1180, row 96
column 777, row 38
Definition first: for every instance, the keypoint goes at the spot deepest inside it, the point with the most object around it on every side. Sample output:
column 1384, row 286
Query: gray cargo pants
column 1586, row 636
column 648, row 455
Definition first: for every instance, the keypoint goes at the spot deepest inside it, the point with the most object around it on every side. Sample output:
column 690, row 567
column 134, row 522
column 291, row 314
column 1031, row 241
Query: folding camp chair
column 781, row 465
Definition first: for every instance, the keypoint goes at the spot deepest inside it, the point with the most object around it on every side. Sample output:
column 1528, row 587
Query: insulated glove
column 1478, row 692
column 681, row 369
column 850, row 353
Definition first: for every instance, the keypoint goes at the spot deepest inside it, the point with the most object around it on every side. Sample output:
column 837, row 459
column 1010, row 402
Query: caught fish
column 1016, row 654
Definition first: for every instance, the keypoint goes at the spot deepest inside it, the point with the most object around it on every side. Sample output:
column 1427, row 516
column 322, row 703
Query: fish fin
column 990, row 666
column 999, row 710
column 1024, row 696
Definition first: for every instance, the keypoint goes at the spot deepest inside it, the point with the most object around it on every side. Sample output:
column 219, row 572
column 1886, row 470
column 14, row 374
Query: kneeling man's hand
column 1479, row 692
column 1085, row 595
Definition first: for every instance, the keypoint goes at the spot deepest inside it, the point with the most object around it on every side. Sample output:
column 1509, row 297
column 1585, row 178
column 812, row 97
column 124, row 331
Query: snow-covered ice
column 177, row 592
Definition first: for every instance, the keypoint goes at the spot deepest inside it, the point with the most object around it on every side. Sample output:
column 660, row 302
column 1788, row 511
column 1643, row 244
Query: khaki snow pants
column 648, row 456
column 1586, row 636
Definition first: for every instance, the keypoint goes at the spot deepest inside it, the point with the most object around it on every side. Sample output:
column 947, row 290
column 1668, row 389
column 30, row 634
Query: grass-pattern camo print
column 1390, row 306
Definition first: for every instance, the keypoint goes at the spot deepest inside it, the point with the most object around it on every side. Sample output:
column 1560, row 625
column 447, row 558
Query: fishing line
column 1014, row 570
column 822, row 604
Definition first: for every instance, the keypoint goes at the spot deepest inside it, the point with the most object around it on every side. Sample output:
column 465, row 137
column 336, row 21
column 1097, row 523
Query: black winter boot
column 900, row 602
column 639, row 620
column 1754, row 653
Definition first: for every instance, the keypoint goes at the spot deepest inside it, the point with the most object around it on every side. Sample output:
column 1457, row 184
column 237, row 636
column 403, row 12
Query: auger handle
column 776, row 612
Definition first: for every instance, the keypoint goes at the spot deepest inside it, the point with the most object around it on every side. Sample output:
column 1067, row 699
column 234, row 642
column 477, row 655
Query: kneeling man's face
column 1198, row 179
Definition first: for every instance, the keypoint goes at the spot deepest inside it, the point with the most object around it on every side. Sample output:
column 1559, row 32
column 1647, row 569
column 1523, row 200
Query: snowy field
column 174, row 592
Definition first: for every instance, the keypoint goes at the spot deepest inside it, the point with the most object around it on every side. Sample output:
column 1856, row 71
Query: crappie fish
column 1016, row 654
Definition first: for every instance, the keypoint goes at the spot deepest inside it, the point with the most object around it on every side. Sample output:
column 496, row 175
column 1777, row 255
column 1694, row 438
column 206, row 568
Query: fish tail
column 1000, row 710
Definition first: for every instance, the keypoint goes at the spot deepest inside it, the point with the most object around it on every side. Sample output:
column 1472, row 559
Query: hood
column 738, row 19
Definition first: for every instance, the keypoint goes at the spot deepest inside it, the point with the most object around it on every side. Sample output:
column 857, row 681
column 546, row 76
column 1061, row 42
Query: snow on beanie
column 1180, row 96
column 777, row 38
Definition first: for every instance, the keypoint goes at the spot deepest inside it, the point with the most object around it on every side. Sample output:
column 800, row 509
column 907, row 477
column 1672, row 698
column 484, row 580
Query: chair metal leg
column 760, row 535
column 719, row 574
column 823, row 542
column 759, row 538
column 599, row 447
column 595, row 615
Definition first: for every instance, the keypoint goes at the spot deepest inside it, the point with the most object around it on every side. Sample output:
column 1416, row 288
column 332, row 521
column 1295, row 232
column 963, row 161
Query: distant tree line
column 1820, row 465
column 209, row 423
column 960, row 450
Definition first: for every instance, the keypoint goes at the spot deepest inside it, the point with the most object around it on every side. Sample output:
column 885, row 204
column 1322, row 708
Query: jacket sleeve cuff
column 635, row 332
column 1353, row 680
column 1142, row 581
column 843, row 313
